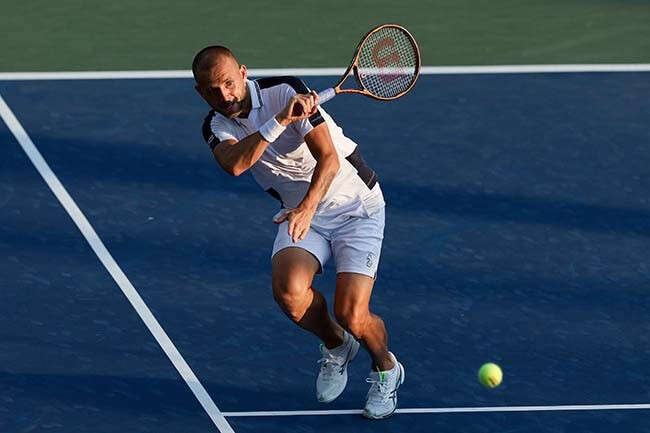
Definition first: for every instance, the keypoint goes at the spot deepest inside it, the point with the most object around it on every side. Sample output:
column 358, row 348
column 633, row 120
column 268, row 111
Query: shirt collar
column 256, row 97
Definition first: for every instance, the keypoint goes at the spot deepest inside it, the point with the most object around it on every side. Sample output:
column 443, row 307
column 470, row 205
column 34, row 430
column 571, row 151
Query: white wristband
column 271, row 130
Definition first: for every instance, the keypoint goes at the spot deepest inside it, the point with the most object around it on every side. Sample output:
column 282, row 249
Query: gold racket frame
column 354, row 66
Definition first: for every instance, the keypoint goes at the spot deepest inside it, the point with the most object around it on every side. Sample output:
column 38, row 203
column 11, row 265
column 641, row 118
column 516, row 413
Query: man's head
column 221, row 81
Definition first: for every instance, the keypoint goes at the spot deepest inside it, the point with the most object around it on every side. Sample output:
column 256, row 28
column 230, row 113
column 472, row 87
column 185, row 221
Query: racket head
column 386, row 63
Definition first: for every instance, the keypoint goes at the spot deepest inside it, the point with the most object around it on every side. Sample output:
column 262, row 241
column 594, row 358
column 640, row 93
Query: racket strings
column 388, row 62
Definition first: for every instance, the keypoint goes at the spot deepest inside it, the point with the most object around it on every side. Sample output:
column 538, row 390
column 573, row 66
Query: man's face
column 224, row 87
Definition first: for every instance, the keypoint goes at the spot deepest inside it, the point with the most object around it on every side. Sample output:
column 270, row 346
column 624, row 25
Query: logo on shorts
column 370, row 260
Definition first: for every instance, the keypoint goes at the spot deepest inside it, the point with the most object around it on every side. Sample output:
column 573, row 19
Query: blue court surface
column 518, row 232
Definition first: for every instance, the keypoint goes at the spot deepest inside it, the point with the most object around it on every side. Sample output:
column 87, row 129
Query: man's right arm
column 235, row 157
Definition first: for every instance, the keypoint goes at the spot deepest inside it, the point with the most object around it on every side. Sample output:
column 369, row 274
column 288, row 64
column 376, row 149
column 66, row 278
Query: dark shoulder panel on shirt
column 296, row 83
column 208, row 135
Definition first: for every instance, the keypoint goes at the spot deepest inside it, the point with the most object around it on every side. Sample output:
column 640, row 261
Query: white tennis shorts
column 352, row 236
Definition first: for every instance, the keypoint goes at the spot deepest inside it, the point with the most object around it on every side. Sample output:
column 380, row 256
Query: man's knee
column 292, row 297
column 354, row 321
column 292, row 272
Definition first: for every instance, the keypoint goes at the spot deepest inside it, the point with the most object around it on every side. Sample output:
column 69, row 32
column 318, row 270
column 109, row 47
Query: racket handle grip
column 323, row 97
column 326, row 95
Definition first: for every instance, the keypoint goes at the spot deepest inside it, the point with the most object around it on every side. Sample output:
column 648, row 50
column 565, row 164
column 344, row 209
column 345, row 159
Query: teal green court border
column 73, row 35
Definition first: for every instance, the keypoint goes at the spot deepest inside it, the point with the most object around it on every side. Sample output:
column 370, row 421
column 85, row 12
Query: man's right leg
column 293, row 270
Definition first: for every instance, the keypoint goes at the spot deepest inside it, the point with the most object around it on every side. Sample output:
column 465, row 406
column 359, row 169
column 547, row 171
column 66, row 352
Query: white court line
column 113, row 268
column 426, row 70
column 446, row 410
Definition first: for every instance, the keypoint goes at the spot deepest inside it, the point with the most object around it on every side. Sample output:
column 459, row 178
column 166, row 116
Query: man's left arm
column 322, row 148
column 327, row 165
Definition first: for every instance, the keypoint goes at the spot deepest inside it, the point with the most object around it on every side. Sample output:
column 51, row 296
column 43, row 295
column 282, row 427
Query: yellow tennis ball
column 490, row 375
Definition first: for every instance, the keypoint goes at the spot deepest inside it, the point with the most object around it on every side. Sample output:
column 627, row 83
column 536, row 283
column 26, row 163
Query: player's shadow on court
column 81, row 163
column 131, row 164
column 135, row 394
column 513, row 208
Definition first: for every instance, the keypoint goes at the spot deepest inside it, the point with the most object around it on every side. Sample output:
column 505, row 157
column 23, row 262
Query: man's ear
column 243, row 71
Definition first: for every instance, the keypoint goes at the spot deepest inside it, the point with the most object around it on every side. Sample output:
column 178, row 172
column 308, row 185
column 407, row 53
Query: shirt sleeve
column 216, row 129
column 304, row 126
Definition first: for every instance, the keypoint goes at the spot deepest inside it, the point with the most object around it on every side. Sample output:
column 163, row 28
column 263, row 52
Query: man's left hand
column 299, row 221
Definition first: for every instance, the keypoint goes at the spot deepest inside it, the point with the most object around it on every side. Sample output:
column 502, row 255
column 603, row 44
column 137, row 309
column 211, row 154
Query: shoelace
column 382, row 392
column 330, row 364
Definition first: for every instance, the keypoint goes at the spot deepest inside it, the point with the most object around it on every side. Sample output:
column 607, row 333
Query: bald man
column 332, row 205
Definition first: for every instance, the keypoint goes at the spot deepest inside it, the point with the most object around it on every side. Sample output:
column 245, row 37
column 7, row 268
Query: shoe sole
column 351, row 355
column 402, row 376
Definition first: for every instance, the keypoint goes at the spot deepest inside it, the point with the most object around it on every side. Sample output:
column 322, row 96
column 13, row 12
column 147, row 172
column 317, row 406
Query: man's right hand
column 301, row 106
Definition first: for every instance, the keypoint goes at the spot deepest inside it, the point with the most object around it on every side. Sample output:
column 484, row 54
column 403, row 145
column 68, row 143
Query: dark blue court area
column 517, row 231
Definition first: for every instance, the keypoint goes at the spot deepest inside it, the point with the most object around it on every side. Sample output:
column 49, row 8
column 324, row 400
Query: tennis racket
column 386, row 65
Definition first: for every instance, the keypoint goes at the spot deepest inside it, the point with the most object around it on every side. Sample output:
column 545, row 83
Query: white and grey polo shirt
column 285, row 168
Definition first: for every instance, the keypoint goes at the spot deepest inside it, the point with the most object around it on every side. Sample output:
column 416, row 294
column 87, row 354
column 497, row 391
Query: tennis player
column 332, row 205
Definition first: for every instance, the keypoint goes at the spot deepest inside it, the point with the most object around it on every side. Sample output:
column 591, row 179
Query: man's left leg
column 351, row 309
